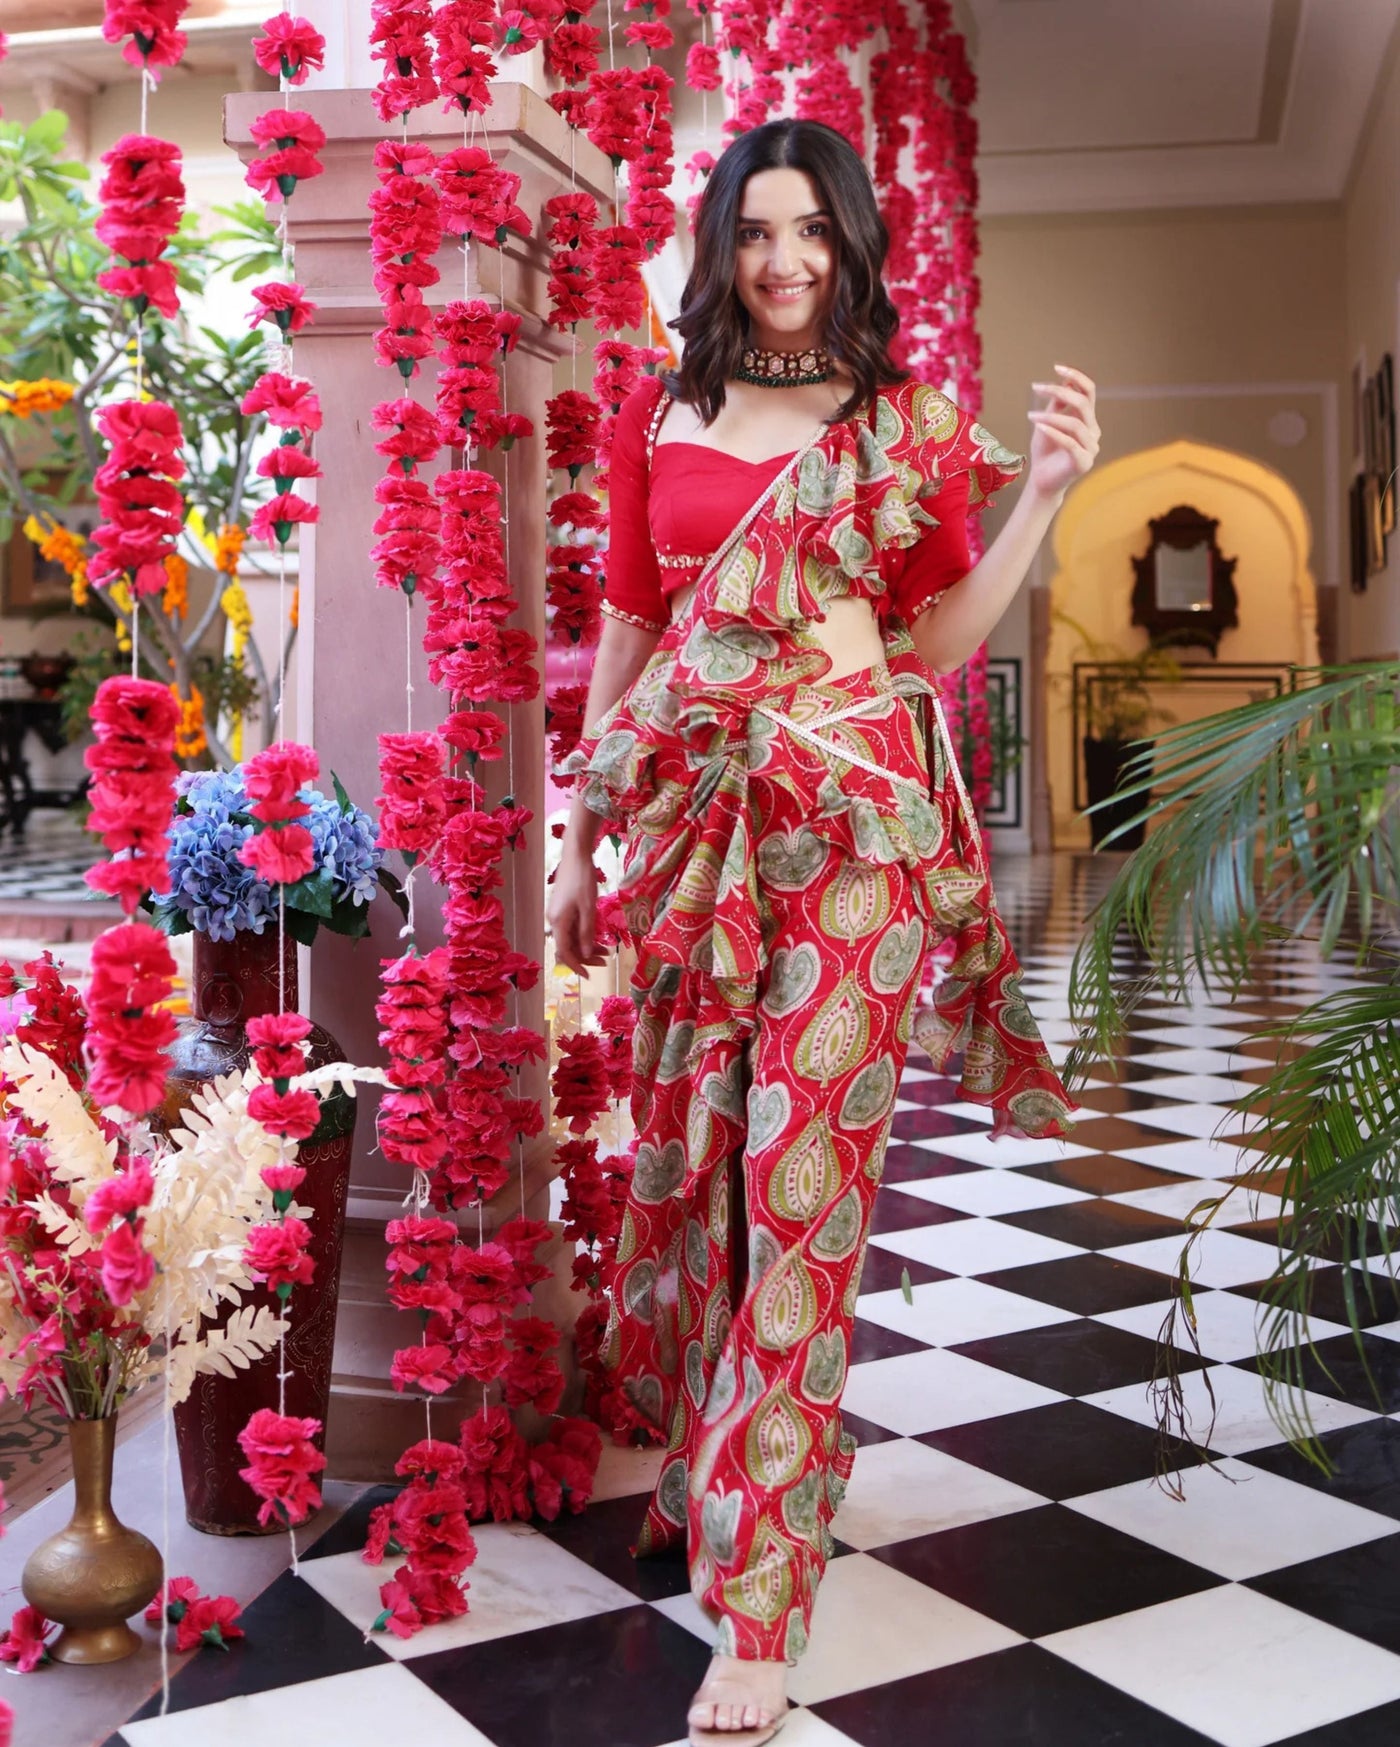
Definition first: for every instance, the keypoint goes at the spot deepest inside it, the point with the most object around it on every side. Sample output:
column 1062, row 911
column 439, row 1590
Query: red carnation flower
column 289, row 47
column 281, row 857
column 24, row 1642
column 120, row 1196
column 274, row 520
column 132, row 970
column 151, row 25
column 288, row 401
column 286, row 305
column 127, row 1266
column 295, row 137
column 281, row 1462
column 286, row 463
column 429, row 1367
column 292, row 1113
column 277, row 1253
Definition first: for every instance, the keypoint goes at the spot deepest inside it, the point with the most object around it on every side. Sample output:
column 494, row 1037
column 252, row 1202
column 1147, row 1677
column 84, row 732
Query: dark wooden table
column 20, row 717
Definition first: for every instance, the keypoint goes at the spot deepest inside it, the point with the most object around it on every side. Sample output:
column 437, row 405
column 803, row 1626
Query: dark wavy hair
column 861, row 318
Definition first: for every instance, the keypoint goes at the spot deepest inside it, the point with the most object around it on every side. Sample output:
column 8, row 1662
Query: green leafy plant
column 1277, row 820
column 57, row 323
column 1119, row 705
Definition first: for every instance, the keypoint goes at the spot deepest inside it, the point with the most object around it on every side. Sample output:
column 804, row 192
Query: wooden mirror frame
column 1182, row 528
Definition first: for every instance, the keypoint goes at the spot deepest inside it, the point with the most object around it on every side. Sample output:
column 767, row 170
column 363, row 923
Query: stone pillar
column 358, row 644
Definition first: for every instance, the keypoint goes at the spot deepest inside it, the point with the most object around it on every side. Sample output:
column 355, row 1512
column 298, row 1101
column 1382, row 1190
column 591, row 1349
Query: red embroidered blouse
column 691, row 497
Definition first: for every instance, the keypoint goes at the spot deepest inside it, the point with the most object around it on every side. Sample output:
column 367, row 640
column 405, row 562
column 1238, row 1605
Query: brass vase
column 93, row 1575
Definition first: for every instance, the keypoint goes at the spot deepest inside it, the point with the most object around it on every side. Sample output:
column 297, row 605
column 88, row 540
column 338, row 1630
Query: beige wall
column 1370, row 622
column 1200, row 325
column 1095, row 540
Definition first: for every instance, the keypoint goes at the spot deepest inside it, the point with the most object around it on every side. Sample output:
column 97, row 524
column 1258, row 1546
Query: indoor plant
column 1280, row 819
column 1119, row 709
column 113, row 1254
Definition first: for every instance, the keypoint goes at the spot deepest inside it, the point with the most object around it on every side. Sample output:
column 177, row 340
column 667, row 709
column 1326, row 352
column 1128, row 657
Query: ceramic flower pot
column 235, row 981
column 1105, row 761
column 95, row 1574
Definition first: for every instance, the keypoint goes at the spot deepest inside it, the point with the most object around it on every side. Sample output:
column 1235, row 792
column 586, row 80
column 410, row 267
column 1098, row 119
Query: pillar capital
column 328, row 216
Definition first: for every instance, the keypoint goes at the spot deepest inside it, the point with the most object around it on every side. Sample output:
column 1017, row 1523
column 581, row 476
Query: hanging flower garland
column 283, row 1459
column 152, row 25
column 141, row 504
column 142, row 197
column 451, row 1116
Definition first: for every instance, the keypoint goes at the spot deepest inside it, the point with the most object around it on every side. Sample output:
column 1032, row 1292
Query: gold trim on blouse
column 631, row 618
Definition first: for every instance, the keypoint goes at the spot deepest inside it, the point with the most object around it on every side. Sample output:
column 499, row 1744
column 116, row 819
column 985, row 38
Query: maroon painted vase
column 235, row 981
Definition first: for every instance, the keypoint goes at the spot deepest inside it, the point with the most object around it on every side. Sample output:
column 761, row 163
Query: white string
column 281, row 638
column 165, row 1522
column 408, row 662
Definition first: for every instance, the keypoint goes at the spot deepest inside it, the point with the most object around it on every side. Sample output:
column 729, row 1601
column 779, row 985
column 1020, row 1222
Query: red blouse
column 692, row 497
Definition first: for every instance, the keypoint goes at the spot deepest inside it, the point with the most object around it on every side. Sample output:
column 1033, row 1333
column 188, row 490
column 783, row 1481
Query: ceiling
column 1084, row 105
column 1094, row 105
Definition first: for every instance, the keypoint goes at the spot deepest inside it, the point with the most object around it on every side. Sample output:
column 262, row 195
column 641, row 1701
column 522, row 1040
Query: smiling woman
column 796, row 844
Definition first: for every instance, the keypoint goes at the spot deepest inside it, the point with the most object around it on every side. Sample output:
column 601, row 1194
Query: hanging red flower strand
column 142, row 197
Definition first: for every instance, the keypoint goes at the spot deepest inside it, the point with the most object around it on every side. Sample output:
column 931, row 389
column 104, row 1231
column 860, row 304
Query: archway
column 1103, row 526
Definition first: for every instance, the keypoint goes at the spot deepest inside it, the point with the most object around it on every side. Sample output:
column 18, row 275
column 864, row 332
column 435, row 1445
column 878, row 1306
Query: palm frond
column 1280, row 815
column 1329, row 1119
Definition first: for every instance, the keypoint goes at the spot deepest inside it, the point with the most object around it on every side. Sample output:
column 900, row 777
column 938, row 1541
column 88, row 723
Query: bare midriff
column 849, row 633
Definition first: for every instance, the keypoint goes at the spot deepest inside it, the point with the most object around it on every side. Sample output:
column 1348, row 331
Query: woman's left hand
column 1065, row 441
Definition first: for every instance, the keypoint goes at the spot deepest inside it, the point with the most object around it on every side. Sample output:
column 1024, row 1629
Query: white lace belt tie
column 807, row 730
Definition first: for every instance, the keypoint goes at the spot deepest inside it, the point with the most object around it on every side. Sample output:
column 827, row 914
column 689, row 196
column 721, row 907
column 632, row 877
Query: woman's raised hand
column 572, row 913
column 1065, row 440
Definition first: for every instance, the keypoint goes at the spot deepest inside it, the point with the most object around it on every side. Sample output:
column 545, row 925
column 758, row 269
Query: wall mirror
column 1184, row 591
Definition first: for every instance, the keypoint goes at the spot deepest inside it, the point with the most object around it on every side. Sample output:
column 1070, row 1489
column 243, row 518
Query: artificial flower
column 128, row 1030
column 294, row 1114
column 294, row 138
column 198, row 1619
column 282, row 1460
column 152, row 26
column 289, row 48
column 24, row 1642
column 399, row 36
column 277, row 1254
column 288, row 401
column 141, row 506
column 285, row 305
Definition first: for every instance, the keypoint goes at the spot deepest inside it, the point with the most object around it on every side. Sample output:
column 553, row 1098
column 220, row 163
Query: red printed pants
column 760, row 1151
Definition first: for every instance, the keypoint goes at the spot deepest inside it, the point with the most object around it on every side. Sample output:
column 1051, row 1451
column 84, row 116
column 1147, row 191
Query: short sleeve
column 633, row 579
column 963, row 467
column 940, row 558
column 952, row 443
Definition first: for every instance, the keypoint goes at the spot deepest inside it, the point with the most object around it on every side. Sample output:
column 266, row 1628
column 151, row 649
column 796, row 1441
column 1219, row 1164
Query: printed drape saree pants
column 761, row 1143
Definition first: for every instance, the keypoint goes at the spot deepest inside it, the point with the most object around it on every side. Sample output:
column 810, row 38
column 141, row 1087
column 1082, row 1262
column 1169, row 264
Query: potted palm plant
column 1280, row 819
column 1119, row 710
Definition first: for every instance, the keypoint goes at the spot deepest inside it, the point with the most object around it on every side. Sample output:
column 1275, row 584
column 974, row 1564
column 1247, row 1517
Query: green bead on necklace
column 771, row 369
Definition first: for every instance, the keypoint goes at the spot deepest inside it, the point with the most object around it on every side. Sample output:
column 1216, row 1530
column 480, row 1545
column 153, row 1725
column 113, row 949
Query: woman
column 793, row 852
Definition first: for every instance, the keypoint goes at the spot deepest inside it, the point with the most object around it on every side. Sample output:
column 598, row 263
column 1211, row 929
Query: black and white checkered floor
column 1009, row 1575
column 47, row 860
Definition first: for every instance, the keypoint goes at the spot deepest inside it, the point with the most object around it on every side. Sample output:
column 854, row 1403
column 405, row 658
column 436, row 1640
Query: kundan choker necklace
column 770, row 369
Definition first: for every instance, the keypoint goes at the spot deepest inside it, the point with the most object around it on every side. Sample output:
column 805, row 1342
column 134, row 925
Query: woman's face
column 784, row 259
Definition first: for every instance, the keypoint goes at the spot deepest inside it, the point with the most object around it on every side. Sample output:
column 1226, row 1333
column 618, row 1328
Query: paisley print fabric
column 795, row 848
column 761, row 1143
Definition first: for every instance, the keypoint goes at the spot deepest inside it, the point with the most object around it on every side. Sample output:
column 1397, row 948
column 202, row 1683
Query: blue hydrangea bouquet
column 214, row 894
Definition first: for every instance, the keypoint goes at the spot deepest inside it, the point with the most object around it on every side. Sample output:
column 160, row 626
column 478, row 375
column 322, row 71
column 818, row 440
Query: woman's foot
column 741, row 1703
